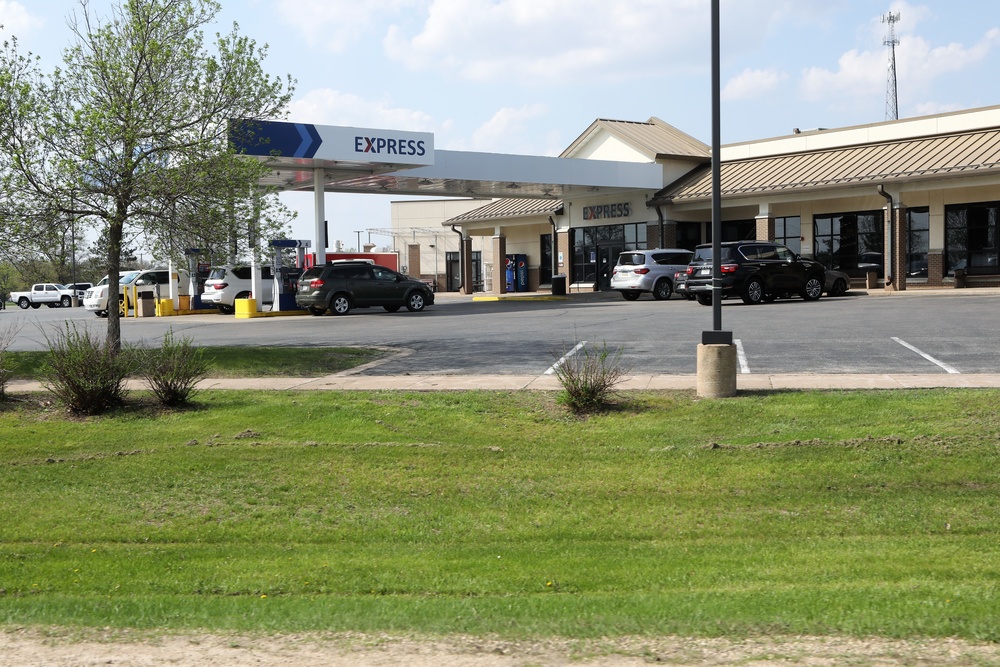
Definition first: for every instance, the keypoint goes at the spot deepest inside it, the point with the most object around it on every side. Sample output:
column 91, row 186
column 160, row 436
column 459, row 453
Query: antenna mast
column 891, row 104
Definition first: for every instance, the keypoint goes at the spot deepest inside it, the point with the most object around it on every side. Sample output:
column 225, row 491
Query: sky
column 529, row 76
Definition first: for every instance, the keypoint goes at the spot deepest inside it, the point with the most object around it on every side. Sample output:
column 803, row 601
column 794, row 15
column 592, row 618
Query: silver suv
column 639, row 271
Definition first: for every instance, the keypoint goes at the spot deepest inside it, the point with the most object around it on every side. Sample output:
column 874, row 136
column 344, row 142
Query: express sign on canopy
column 325, row 142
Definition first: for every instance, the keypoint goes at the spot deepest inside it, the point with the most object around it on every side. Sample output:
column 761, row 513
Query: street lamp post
column 716, row 354
column 358, row 247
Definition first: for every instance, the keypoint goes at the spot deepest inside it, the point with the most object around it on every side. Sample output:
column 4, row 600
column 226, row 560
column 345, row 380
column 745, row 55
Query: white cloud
column 506, row 131
column 544, row 42
column 919, row 64
column 752, row 83
column 857, row 75
column 331, row 107
column 336, row 25
column 16, row 20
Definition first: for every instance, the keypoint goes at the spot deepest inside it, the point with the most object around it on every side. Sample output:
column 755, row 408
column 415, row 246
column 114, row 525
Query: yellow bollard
column 164, row 307
column 245, row 308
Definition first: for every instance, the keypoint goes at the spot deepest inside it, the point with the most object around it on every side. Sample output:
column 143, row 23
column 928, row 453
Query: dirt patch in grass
column 66, row 648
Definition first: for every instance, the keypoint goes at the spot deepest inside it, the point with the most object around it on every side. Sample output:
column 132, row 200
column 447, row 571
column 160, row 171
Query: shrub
column 588, row 377
column 85, row 373
column 173, row 370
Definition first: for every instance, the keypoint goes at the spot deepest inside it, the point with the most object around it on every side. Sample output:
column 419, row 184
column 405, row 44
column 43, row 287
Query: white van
column 225, row 284
column 134, row 285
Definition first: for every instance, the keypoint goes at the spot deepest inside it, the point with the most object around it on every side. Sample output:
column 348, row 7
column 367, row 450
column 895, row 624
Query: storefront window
column 739, row 230
column 788, row 232
column 591, row 244
column 971, row 236
column 688, row 235
column 850, row 242
column 918, row 226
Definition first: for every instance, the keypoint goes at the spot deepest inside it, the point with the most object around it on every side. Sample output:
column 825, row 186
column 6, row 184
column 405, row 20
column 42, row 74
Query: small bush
column 173, row 370
column 85, row 373
column 6, row 338
column 588, row 377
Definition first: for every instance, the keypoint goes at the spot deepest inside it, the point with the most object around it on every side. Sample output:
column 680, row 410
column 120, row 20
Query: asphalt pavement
column 356, row 379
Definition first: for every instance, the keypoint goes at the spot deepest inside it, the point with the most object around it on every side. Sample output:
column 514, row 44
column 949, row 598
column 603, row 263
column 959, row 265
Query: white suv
column 225, row 284
column 639, row 271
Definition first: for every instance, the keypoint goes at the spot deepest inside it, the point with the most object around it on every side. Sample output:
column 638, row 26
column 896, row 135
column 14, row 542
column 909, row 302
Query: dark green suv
column 341, row 286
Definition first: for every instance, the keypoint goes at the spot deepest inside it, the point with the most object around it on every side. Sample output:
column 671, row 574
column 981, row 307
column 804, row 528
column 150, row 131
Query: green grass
column 860, row 513
column 231, row 361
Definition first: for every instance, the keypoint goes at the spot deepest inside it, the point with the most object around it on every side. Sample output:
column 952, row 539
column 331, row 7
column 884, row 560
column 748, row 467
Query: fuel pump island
column 285, row 282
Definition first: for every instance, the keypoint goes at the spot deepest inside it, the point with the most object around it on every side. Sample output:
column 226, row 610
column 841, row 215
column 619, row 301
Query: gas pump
column 196, row 275
column 286, row 278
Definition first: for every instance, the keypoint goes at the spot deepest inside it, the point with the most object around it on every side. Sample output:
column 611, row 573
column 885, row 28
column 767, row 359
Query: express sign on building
column 622, row 210
column 324, row 142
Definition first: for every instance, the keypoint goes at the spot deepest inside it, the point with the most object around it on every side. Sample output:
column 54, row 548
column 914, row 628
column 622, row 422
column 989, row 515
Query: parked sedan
column 836, row 283
column 680, row 285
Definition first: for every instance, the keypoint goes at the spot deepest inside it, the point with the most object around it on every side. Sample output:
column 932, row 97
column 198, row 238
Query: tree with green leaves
column 131, row 134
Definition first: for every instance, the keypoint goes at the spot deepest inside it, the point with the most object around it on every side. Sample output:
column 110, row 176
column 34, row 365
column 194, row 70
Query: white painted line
column 553, row 367
column 926, row 356
column 741, row 356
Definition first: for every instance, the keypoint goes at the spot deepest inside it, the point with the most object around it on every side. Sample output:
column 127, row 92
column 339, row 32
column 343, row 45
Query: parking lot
column 950, row 332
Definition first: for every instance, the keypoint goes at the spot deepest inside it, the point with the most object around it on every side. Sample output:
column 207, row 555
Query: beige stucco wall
column 420, row 222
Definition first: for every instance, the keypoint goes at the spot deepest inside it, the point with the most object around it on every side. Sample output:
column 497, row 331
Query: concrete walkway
column 749, row 382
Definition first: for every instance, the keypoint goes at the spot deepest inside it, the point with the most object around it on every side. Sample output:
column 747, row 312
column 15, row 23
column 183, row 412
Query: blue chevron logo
column 266, row 137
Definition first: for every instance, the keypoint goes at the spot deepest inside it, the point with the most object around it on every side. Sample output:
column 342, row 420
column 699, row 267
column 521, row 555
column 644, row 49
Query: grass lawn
column 859, row 513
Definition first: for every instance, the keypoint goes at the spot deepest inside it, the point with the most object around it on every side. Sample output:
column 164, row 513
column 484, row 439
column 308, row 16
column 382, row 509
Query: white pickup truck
column 51, row 294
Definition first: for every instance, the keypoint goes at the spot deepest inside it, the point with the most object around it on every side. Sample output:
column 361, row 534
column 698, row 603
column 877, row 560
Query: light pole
column 358, row 247
column 717, row 353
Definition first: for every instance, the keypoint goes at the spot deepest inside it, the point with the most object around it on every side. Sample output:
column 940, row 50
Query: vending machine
column 517, row 273
column 521, row 268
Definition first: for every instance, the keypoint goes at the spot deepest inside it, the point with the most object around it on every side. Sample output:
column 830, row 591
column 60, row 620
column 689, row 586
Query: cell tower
column 891, row 104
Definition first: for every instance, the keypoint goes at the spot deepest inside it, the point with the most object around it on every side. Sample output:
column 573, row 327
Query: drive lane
column 852, row 334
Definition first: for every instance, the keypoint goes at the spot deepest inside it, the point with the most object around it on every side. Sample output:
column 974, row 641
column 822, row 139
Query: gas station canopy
column 318, row 158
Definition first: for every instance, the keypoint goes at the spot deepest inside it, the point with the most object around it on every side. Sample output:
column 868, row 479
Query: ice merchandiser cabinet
column 517, row 273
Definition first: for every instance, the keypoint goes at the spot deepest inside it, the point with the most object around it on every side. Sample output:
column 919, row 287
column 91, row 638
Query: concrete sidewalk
column 745, row 382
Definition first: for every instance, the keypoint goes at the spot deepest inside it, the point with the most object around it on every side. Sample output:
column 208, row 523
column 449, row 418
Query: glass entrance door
column 607, row 257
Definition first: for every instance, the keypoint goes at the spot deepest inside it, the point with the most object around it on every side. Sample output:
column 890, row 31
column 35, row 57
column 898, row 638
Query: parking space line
column 926, row 356
column 741, row 356
column 555, row 366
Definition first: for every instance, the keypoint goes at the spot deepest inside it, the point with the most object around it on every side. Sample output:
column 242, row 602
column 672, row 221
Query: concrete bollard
column 716, row 371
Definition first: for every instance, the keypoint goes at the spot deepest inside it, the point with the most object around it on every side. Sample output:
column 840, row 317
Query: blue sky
column 528, row 76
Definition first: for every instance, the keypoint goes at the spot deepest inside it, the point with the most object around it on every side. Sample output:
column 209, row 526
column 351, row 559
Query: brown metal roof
column 509, row 208
column 654, row 136
column 914, row 159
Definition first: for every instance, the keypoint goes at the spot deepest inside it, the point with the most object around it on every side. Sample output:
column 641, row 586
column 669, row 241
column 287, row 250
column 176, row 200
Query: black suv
column 755, row 271
column 341, row 286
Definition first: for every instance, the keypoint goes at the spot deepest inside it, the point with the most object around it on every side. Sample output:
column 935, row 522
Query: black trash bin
column 960, row 278
column 559, row 284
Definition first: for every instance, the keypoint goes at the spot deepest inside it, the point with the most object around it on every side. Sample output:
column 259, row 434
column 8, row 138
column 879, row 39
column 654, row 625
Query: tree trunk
column 115, row 232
